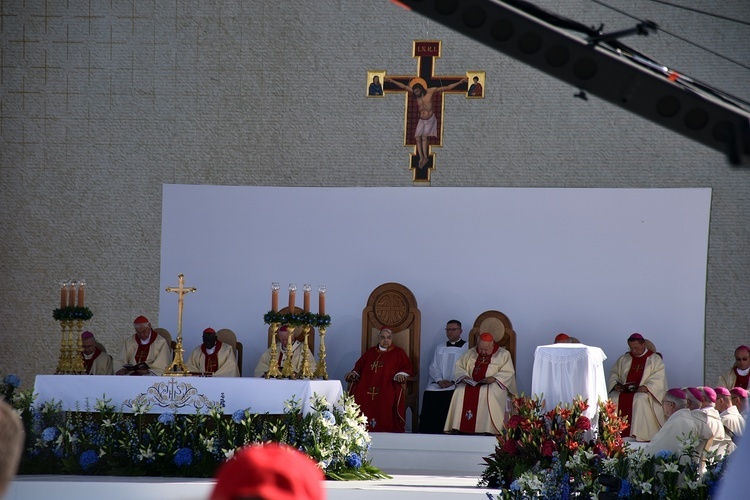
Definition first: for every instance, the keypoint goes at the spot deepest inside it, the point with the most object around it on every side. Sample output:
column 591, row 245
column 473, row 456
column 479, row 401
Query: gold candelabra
column 320, row 370
column 306, row 372
column 288, row 370
column 70, row 361
column 273, row 364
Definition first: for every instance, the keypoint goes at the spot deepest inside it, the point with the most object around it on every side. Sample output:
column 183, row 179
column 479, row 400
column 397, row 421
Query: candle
column 322, row 300
column 81, row 292
column 63, row 296
column 274, row 297
column 306, row 296
column 72, row 293
column 292, row 296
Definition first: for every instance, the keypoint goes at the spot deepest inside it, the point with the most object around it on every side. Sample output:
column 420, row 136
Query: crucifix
column 425, row 97
column 373, row 393
column 178, row 368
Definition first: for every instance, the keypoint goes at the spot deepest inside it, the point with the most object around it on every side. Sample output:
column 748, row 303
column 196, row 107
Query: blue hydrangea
column 88, row 459
column 166, row 418
column 328, row 416
column 183, row 457
column 353, row 460
column 238, row 416
column 665, row 454
column 515, row 486
column 624, row 489
column 49, row 434
column 12, row 380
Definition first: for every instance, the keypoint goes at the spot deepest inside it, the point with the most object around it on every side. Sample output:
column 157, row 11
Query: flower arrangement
column 8, row 387
column 105, row 441
column 72, row 313
column 548, row 455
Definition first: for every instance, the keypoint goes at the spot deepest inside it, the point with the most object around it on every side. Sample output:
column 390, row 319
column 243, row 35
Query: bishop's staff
column 178, row 368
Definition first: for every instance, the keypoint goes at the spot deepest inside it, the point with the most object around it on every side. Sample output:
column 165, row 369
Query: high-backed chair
column 298, row 333
column 101, row 347
column 499, row 325
column 227, row 336
column 393, row 305
column 168, row 337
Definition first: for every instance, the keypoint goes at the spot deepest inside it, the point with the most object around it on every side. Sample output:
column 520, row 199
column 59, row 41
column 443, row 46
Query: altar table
column 183, row 395
column 563, row 371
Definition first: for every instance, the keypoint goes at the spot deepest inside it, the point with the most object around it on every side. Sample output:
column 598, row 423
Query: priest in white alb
column 144, row 353
column 485, row 378
column 680, row 423
column 214, row 357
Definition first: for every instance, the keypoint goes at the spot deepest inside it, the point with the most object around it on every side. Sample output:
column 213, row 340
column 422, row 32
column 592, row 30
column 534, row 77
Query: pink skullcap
column 486, row 337
column 677, row 393
column 141, row 319
column 635, row 336
column 722, row 391
column 739, row 391
column 710, row 394
column 87, row 335
column 696, row 392
column 210, row 331
column 561, row 337
column 269, row 471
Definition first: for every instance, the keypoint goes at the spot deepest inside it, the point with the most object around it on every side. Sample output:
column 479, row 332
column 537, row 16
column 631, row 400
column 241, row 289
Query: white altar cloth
column 181, row 394
column 563, row 371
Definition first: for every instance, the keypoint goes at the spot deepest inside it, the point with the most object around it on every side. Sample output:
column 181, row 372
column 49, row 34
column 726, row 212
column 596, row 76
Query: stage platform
column 422, row 467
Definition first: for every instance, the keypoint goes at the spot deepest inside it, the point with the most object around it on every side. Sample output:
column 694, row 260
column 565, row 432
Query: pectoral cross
column 178, row 365
column 375, row 365
column 373, row 393
column 638, row 368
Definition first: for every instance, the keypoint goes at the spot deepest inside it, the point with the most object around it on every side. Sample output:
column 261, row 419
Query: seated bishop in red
column 376, row 384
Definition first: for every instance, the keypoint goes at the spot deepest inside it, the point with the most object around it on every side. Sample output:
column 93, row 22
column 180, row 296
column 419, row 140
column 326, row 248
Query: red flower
column 514, row 422
column 573, row 445
column 583, row 423
column 563, row 412
column 510, row 447
column 548, row 448
column 581, row 404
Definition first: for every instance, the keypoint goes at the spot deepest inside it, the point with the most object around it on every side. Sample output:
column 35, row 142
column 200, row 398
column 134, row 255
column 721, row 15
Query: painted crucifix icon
column 425, row 99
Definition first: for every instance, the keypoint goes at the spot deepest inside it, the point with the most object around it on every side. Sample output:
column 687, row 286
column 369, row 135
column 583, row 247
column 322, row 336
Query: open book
column 136, row 367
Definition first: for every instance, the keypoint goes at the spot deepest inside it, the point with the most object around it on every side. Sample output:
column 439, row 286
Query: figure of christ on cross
column 427, row 126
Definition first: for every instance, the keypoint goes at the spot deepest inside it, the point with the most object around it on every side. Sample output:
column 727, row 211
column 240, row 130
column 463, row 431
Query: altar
column 182, row 395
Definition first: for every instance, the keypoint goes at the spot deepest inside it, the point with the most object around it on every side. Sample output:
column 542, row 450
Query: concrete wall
column 101, row 102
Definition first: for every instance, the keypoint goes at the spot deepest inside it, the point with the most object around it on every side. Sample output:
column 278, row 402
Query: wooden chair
column 168, row 337
column 227, row 336
column 393, row 305
column 101, row 347
column 298, row 334
column 499, row 325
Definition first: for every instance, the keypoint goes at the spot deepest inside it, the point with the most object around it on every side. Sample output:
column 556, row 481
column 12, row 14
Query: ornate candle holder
column 71, row 318
column 273, row 364
column 306, row 372
column 320, row 371
column 288, row 370
column 76, row 354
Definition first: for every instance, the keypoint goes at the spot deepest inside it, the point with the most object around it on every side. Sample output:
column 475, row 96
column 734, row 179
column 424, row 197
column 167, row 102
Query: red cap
column 677, row 393
column 635, row 336
column 561, row 337
column 383, row 328
column 210, row 331
column 709, row 393
column 739, row 391
column 270, row 471
column 486, row 337
column 87, row 335
column 722, row 391
column 283, row 328
column 141, row 319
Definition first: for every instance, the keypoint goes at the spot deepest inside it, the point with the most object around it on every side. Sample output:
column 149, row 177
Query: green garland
column 72, row 313
column 299, row 319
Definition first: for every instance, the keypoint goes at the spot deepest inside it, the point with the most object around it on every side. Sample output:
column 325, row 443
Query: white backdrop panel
column 598, row 264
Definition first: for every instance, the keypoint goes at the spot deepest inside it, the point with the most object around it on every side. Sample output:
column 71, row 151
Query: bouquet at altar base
column 105, row 441
column 546, row 455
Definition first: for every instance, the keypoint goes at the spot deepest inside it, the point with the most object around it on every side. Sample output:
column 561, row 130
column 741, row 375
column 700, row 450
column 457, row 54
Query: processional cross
column 178, row 368
column 422, row 160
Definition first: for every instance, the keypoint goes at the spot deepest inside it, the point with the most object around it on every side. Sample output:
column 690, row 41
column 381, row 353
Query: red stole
column 141, row 355
column 625, row 400
column 88, row 363
column 212, row 360
column 741, row 380
column 471, row 393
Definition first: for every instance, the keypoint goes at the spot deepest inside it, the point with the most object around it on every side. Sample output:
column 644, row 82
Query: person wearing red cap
column 265, row 359
column 637, row 384
column 705, row 398
column 734, row 423
column 739, row 374
column 145, row 353
column 376, row 384
column 214, row 357
column 739, row 398
column 680, row 421
column 269, row 471
column 562, row 338
column 95, row 361
column 485, row 378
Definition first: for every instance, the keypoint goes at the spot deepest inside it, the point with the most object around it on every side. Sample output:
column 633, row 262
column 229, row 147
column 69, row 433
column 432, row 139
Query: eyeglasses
column 741, row 359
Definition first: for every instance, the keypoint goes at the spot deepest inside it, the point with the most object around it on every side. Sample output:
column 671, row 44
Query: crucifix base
column 177, row 368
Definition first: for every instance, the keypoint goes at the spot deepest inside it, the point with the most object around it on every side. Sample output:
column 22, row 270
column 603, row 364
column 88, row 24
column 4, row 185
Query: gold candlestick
column 306, row 372
column 63, row 347
column 288, row 370
column 320, row 371
column 273, row 363
column 76, row 359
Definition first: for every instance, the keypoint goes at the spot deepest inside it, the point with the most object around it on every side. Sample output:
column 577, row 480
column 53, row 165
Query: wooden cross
column 373, row 393
column 375, row 365
column 426, row 52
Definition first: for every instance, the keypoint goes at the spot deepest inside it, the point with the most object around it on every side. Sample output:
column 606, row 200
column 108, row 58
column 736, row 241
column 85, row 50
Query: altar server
column 214, row 357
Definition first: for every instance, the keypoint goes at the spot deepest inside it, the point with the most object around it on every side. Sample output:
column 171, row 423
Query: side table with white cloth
column 564, row 371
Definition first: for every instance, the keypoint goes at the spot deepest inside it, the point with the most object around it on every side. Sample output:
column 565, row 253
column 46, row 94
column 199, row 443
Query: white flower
column 692, row 485
column 228, row 453
column 645, row 487
column 671, row 467
column 146, row 454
